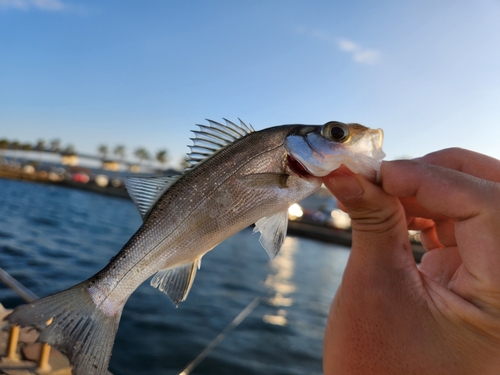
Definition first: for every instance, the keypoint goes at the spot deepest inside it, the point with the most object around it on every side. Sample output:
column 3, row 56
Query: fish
column 237, row 177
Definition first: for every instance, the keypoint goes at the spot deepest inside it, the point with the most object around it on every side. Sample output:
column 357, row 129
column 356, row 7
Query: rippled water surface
column 53, row 237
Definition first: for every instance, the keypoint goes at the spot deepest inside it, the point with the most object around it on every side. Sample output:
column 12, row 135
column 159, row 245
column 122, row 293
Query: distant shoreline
column 303, row 229
column 45, row 178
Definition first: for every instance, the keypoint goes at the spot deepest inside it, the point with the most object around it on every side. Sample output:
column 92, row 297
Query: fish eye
column 335, row 131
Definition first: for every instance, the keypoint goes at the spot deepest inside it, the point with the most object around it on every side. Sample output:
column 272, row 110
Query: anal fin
column 176, row 281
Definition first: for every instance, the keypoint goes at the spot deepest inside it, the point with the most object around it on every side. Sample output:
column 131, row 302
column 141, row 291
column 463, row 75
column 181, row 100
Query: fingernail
column 346, row 187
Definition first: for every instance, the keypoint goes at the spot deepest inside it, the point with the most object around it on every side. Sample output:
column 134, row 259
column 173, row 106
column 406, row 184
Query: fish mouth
column 297, row 167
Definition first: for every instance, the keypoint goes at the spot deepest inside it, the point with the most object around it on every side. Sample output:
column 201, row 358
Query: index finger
column 472, row 201
column 414, row 209
column 439, row 190
column 466, row 161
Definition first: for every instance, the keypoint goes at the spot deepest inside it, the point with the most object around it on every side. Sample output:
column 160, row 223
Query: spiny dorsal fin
column 213, row 137
column 272, row 232
column 177, row 281
column 145, row 191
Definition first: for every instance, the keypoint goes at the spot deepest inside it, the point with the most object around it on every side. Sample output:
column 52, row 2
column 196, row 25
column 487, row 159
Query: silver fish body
column 233, row 189
column 239, row 177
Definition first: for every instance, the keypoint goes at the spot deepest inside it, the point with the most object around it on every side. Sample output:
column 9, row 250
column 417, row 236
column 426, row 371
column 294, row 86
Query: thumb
column 379, row 230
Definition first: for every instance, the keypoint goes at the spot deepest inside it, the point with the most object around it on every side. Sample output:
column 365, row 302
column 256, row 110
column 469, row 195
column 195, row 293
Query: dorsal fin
column 145, row 191
column 214, row 137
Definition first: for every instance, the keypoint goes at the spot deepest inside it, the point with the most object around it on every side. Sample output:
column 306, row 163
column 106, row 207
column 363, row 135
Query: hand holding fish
column 390, row 317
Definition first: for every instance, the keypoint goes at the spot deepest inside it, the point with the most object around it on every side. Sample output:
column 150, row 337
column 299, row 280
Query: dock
column 20, row 353
column 337, row 236
column 26, row 356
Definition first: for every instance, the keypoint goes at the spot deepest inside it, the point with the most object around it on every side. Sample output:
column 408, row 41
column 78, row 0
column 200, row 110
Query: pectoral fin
column 176, row 281
column 265, row 180
column 272, row 232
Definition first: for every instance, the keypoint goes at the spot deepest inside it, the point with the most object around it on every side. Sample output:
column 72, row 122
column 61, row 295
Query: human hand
column 390, row 317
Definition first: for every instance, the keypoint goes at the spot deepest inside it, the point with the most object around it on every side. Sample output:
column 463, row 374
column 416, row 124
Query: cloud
column 348, row 46
column 358, row 53
column 46, row 5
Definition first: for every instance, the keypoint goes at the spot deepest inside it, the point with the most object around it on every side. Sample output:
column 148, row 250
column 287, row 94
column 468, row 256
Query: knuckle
column 381, row 220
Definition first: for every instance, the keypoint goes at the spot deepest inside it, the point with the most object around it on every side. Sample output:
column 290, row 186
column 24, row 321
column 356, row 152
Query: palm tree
column 69, row 150
column 141, row 154
column 26, row 147
column 162, row 157
column 120, row 152
column 4, row 145
column 103, row 151
column 55, row 145
column 40, row 147
column 15, row 145
column 69, row 155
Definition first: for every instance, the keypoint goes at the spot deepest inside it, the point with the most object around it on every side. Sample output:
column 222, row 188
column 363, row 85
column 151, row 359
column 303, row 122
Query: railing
column 43, row 359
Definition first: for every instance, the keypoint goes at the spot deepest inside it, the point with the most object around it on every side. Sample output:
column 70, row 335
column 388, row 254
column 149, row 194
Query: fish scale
column 238, row 177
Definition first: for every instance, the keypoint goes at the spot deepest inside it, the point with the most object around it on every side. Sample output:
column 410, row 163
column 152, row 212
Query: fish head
column 319, row 150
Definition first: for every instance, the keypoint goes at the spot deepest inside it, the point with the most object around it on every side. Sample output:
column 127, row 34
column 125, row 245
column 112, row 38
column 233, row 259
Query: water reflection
column 280, row 282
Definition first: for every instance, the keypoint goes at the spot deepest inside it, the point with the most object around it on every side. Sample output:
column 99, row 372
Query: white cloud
column 367, row 56
column 348, row 46
column 47, row 5
column 358, row 53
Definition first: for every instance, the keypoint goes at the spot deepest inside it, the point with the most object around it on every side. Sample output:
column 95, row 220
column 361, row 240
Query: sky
column 143, row 73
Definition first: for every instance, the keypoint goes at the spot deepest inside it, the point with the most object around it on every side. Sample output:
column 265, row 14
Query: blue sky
column 143, row 73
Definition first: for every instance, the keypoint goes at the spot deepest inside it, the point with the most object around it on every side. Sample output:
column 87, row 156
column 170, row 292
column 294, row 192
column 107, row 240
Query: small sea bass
column 237, row 177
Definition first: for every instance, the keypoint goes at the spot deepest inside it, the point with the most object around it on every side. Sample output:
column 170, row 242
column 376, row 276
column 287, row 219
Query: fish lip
column 296, row 166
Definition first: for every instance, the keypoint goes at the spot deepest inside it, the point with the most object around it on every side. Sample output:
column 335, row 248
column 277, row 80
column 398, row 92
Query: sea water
column 53, row 237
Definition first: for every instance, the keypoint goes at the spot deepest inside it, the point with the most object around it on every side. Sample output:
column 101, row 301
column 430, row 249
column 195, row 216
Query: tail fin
column 71, row 322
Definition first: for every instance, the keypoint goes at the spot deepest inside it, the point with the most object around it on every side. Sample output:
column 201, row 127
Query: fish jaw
column 320, row 156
